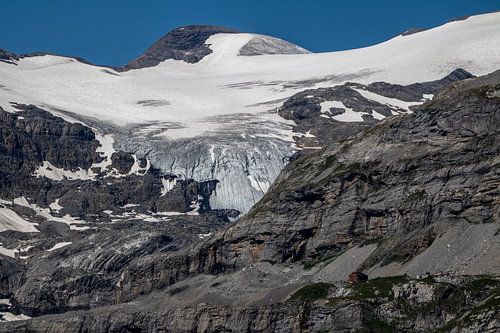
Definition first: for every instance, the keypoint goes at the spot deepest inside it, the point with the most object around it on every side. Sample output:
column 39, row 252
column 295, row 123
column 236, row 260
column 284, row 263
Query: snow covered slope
column 216, row 118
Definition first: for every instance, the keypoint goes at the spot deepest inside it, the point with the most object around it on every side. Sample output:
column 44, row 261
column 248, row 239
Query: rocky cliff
column 402, row 184
column 385, row 202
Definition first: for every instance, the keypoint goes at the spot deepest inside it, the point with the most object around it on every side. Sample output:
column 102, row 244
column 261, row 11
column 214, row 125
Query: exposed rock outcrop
column 331, row 115
column 392, row 184
column 7, row 56
column 394, row 188
column 185, row 43
column 396, row 304
column 45, row 159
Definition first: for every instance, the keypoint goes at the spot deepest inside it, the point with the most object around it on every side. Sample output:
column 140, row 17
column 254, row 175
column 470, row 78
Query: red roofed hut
column 357, row 277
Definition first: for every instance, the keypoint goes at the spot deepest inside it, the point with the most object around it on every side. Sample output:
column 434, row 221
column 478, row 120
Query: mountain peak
column 193, row 42
column 184, row 43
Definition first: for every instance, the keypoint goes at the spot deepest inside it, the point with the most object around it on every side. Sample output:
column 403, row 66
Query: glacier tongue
column 245, row 161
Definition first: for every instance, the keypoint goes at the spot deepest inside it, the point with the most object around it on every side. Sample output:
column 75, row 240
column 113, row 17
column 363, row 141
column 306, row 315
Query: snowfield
column 228, row 95
column 10, row 220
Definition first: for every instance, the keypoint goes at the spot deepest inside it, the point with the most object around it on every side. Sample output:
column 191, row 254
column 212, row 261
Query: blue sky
column 113, row 32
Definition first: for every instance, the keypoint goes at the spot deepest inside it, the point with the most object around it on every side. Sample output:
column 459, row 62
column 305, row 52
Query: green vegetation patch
column 343, row 169
column 377, row 288
column 415, row 197
column 329, row 161
column 481, row 284
column 492, row 302
column 370, row 241
column 312, row 292
column 377, row 325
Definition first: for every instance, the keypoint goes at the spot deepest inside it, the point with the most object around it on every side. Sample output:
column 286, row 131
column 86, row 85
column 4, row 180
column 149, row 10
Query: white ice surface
column 196, row 91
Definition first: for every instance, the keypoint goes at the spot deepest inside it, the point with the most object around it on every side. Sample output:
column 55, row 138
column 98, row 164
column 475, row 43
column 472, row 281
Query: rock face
column 369, row 189
column 260, row 45
column 11, row 276
column 45, row 159
column 36, row 136
column 62, row 181
column 85, row 274
column 7, row 56
column 394, row 182
column 381, row 199
column 396, row 304
column 186, row 43
column 333, row 114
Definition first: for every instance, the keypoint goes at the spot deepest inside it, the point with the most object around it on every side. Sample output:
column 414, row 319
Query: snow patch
column 377, row 115
column 136, row 168
column 8, row 252
column 59, row 245
column 327, row 105
column 7, row 316
column 55, row 206
column 78, row 228
column 5, row 301
column 46, row 212
column 129, row 206
column 394, row 102
column 349, row 114
column 48, row 170
column 10, row 220
column 167, row 185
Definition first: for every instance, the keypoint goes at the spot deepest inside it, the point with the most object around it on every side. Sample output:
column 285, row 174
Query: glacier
column 217, row 118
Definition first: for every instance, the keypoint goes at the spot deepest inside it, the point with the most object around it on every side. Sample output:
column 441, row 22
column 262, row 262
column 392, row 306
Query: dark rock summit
column 185, row 43
column 7, row 56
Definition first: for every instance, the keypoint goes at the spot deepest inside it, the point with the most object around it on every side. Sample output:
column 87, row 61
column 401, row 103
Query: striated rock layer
column 386, row 197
